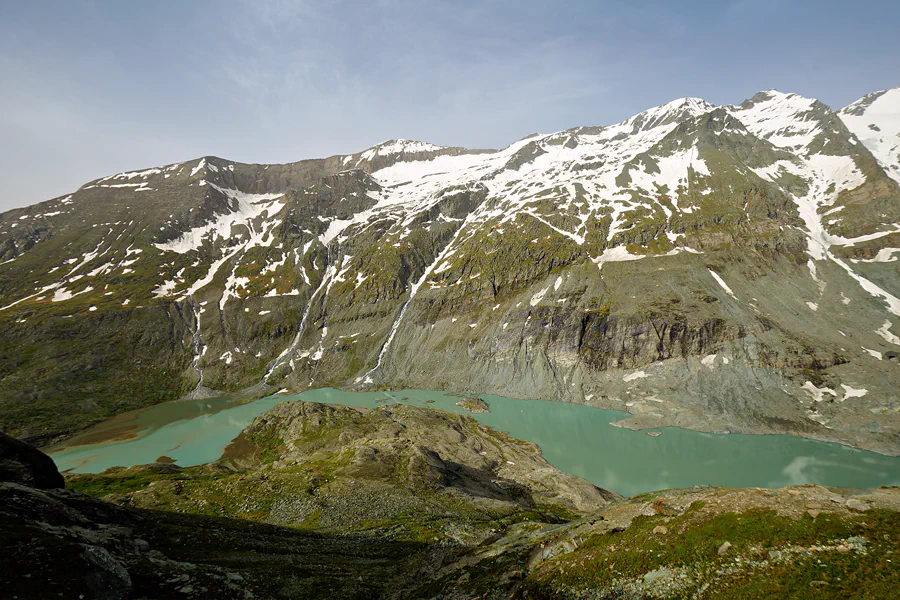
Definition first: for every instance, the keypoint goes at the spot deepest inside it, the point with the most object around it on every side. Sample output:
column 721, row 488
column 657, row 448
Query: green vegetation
column 122, row 481
column 769, row 556
column 132, row 368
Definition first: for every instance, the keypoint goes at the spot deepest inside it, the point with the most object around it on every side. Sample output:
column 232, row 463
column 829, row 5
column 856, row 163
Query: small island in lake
column 474, row 405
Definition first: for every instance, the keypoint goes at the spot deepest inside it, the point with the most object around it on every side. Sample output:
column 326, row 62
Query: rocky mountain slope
column 477, row 532
column 719, row 268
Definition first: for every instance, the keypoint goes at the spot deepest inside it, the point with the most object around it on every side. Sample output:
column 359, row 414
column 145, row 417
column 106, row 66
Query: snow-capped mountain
column 710, row 267
column 875, row 122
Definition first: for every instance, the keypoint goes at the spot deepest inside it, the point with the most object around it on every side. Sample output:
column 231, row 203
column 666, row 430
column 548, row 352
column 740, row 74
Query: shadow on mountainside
column 58, row 543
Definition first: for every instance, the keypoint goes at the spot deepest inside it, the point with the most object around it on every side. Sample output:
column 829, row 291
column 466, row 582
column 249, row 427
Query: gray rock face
column 108, row 579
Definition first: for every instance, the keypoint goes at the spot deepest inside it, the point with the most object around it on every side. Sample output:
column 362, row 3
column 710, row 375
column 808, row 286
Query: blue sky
column 91, row 87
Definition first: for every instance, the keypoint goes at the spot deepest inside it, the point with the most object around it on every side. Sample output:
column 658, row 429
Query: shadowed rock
column 25, row 464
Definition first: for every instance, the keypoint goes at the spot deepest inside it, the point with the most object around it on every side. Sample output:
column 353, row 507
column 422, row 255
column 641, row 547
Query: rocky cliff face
column 721, row 268
column 26, row 465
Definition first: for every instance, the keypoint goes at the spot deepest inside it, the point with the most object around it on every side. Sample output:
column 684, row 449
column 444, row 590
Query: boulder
column 26, row 465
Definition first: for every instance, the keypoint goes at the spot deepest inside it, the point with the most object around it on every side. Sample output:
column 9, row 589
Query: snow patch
column 63, row 294
column 539, row 296
column 817, row 394
column 850, row 392
column 722, row 283
column 199, row 166
column 882, row 140
column 885, row 255
column 873, row 353
column 885, row 332
column 635, row 375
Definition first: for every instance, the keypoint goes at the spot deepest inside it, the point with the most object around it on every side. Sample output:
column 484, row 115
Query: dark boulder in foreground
column 25, row 464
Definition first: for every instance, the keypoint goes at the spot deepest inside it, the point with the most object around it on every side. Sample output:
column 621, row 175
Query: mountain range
column 720, row 268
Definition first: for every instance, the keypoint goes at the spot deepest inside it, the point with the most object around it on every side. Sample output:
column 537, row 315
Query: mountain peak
column 403, row 146
column 691, row 102
column 693, row 106
column 888, row 102
column 875, row 120
column 673, row 112
column 774, row 95
column 393, row 151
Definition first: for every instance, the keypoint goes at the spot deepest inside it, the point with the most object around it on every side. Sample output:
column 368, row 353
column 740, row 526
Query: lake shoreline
column 631, row 421
column 685, row 420
column 579, row 439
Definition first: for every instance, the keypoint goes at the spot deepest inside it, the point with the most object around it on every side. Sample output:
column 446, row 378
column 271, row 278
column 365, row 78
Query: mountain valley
column 715, row 268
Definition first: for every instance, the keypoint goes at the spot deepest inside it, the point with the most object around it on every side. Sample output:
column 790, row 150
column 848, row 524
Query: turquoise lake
column 574, row 438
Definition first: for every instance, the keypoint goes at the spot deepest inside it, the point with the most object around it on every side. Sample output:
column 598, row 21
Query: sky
column 89, row 88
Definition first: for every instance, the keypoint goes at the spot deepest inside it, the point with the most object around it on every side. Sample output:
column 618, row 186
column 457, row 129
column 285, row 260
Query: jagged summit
column 774, row 93
column 875, row 121
column 858, row 107
column 691, row 105
column 400, row 146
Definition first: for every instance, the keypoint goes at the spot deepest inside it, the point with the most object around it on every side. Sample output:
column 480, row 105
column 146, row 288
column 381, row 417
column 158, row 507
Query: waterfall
column 198, row 346
column 412, row 294
column 323, row 285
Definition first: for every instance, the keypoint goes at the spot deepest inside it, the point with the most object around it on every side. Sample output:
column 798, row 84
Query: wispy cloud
column 92, row 88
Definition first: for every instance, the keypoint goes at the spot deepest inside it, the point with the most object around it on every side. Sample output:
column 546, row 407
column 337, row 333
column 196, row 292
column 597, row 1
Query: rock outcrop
column 425, row 447
column 26, row 465
column 400, row 470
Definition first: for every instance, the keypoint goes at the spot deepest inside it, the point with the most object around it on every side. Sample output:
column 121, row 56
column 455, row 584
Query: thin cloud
column 107, row 86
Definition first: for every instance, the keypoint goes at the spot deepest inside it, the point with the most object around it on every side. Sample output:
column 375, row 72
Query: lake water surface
column 574, row 438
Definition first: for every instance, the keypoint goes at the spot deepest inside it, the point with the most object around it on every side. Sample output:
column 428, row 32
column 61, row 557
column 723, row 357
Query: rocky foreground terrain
column 723, row 268
column 317, row 501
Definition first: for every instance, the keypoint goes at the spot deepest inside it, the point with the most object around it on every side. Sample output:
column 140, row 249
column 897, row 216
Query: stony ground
column 805, row 541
